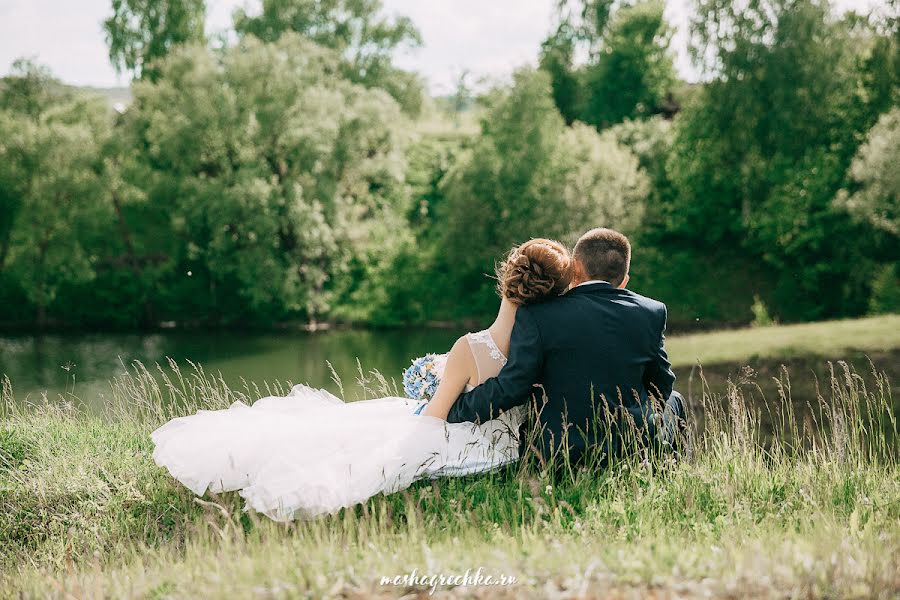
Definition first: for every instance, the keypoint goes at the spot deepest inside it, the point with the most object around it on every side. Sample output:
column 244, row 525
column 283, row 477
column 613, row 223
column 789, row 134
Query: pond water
column 83, row 364
column 51, row 363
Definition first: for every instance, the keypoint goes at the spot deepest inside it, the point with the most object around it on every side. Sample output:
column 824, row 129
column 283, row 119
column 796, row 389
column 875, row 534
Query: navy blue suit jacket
column 596, row 350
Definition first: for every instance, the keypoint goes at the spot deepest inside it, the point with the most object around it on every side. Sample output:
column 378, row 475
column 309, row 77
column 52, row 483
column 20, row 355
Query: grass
column 827, row 338
column 85, row 513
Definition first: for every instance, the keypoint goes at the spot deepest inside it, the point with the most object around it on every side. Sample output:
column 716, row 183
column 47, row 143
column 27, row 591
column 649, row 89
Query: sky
column 488, row 38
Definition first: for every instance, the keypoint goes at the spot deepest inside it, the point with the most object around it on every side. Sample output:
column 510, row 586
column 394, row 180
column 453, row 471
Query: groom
column 599, row 353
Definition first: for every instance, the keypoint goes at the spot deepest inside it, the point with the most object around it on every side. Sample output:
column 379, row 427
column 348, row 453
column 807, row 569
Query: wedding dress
column 309, row 453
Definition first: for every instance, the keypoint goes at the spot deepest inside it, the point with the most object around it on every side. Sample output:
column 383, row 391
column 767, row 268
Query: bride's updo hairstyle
column 536, row 270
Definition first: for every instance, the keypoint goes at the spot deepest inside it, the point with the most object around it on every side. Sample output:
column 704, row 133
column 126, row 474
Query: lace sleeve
column 489, row 359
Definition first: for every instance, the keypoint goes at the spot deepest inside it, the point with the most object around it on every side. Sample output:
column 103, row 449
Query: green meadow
column 827, row 339
column 810, row 507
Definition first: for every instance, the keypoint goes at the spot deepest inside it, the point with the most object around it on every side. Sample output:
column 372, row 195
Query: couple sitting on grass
column 572, row 369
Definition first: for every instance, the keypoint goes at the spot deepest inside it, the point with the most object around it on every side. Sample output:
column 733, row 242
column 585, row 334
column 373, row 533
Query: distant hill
column 114, row 95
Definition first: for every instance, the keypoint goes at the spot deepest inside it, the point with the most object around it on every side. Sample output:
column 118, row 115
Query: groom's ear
column 578, row 274
column 624, row 281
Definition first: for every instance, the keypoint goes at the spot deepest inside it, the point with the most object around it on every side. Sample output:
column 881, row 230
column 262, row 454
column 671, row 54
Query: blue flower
column 420, row 379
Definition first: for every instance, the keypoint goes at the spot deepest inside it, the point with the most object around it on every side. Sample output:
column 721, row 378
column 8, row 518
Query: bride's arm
column 459, row 371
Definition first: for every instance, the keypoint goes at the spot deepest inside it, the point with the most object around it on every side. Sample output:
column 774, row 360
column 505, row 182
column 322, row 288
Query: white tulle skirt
column 309, row 453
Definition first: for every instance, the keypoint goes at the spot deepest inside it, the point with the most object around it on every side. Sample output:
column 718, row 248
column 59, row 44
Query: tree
column 461, row 100
column 628, row 72
column 50, row 190
column 651, row 141
column 528, row 175
column 876, row 177
column 140, row 32
column 275, row 172
column 355, row 29
column 759, row 157
column 633, row 74
column 557, row 58
column 30, row 89
column 873, row 197
column 25, row 94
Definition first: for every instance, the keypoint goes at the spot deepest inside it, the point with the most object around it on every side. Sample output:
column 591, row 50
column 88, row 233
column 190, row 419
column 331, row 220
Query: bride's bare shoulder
column 462, row 348
column 462, row 360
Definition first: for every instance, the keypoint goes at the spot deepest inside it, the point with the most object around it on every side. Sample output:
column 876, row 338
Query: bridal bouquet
column 421, row 378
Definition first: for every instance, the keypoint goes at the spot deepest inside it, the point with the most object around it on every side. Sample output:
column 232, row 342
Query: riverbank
column 681, row 329
column 80, row 365
column 84, row 512
column 829, row 340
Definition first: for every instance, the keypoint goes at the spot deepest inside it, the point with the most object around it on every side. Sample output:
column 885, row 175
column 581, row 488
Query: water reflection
column 50, row 363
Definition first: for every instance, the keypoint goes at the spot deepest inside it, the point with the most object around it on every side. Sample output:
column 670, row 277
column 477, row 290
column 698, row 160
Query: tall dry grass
column 775, row 497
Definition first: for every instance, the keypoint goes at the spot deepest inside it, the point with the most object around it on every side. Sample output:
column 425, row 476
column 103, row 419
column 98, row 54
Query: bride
column 309, row 453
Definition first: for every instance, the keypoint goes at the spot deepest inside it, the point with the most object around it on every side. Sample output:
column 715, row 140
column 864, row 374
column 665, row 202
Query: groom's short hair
column 605, row 254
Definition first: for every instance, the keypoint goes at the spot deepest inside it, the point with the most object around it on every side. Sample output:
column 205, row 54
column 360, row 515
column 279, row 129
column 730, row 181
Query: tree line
column 285, row 175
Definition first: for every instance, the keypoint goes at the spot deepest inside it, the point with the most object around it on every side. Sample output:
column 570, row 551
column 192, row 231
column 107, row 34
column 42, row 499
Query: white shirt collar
column 592, row 281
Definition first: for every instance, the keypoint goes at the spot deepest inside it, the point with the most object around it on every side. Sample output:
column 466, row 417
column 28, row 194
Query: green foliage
column 699, row 289
column 25, row 95
column 651, row 141
column 273, row 180
column 355, row 29
column 765, row 178
column 15, row 449
column 401, row 283
column 141, row 32
column 29, row 89
column 524, row 172
column 886, row 290
column 274, row 173
column 876, row 177
column 628, row 73
column 633, row 74
column 52, row 195
column 557, row 59
column 761, row 317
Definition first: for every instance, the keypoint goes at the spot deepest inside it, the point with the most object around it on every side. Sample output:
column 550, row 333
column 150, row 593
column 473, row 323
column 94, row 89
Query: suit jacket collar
column 602, row 287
